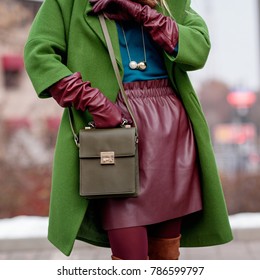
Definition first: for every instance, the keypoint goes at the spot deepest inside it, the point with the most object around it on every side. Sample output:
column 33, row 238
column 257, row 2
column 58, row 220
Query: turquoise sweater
column 155, row 66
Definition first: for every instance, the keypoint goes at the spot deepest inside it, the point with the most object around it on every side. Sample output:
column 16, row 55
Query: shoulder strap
column 115, row 66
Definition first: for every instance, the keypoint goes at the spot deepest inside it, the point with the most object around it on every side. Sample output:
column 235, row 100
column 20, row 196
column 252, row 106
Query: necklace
column 132, row 63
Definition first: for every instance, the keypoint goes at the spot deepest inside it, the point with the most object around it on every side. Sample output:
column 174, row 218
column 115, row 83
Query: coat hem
column 95, row 243
column 203, row 243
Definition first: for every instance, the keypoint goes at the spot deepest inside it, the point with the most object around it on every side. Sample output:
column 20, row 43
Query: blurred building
column 234, row 32
column 28, row 125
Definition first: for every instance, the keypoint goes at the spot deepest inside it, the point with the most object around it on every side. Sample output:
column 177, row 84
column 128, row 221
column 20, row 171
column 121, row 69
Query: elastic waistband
column 149, row 88
column 148, row 84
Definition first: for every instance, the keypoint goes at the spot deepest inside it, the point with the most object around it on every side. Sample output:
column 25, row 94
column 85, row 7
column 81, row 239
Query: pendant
column 137, row 66
column 133, row 65
column 141, row 65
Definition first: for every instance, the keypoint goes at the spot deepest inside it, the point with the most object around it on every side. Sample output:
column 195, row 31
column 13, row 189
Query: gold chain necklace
column 132, row 63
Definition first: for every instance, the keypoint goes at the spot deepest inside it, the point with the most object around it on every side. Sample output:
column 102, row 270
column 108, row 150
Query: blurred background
column 228, row 88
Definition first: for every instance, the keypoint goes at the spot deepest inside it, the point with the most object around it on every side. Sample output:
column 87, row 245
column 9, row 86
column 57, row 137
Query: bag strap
column 118, row 77
column 115, row 66
column 75, row 136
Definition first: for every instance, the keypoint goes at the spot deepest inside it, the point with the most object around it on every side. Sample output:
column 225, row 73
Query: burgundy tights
column 132, row 243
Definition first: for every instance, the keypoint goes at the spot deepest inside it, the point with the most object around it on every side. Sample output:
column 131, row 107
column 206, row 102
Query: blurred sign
column 241, row 99
column 234, row 133
column 53, row 123
column 12, row 62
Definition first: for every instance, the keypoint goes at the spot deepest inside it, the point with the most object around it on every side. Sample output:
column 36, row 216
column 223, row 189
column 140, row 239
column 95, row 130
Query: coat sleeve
column 45, row 50
column 194, row 42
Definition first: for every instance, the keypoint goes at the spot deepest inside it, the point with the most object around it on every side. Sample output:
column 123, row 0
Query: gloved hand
column 162, row 29
column 72, row 91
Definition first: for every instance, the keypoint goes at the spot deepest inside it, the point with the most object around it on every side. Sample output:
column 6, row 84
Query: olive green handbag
column 108, row 156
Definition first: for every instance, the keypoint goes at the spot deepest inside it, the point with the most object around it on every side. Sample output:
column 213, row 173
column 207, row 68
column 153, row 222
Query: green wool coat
column 65, row 38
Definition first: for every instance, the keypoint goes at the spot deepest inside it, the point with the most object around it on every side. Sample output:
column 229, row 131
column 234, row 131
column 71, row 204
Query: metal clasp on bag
column 107, row 158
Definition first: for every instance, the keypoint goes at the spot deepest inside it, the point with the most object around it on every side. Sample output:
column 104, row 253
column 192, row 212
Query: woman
column 181, row 201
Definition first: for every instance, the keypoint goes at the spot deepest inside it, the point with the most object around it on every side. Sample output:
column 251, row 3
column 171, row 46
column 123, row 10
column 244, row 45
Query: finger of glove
column 97, row 8
column 107, row 117
column 101, row 5
column 117, row 17
column 92, row 2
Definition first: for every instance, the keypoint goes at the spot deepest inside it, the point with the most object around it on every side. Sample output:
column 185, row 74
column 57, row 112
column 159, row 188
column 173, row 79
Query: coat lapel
column 93, row 22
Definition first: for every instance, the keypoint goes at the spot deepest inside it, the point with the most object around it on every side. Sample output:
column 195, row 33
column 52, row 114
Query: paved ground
column 246, row 246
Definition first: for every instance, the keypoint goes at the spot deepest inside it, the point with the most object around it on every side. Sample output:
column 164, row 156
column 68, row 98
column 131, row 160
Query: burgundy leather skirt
column 169, row 177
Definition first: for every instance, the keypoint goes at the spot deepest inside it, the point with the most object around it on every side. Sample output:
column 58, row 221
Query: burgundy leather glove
column 162, row 29
column 72, row 91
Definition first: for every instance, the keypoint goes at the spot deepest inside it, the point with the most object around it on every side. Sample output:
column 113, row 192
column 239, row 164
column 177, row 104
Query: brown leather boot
column 164, row 248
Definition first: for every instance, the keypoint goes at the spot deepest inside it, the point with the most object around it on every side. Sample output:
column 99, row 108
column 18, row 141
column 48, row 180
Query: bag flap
column 121, row 141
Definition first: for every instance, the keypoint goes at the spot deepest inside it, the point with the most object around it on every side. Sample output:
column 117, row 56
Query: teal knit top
column 155, row 66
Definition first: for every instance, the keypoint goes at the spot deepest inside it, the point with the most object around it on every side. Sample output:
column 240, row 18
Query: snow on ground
column 245, row 220
column 35, row 227
column 23, row 227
